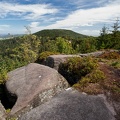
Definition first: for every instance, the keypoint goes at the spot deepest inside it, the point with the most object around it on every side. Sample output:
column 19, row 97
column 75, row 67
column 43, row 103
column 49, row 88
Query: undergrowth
column 75, row 68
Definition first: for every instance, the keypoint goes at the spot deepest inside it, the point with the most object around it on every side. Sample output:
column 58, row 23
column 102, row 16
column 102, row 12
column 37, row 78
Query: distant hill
column 53, row 33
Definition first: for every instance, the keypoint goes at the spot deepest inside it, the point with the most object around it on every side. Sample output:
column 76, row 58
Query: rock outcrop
column 72, row 105
column 33, row 84
column 54, row 61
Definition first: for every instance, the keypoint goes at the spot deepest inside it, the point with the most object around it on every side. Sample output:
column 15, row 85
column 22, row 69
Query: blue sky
column 82, row 16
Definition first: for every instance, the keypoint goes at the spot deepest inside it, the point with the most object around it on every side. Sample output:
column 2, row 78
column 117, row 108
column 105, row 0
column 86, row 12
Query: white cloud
column 31, row 11
column 90, row 32
column 34, row 24
column 85, row 17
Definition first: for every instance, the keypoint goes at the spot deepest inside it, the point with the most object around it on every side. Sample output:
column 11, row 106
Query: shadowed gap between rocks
column 71, row 78
column 8, row 100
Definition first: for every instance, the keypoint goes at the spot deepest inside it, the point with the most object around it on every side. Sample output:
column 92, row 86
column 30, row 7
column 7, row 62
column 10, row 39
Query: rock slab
column 71, row 105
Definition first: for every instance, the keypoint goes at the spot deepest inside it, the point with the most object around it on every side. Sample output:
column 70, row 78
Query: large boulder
column 72, row 105
column 54, row 61
column 33, row 84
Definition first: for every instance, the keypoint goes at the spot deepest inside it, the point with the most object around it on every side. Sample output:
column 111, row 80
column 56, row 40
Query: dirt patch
column 112, row 80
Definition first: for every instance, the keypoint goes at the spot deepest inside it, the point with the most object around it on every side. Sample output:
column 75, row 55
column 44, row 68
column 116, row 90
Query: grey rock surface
column 94, row 54
column 33, row 84
column 97, row 53
column 54, row 61
column 2, row 112
column 71, row 105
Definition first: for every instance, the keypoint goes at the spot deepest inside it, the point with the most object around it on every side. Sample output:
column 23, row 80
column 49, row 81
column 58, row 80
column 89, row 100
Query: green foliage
column 16, row 53
column 83, row 83
column 116, row 64
column 27, row 49
column 96, row 76
column 42, row 57
column 60, row 45
column 64, row 46
column 104, row 31
column 109, row 40
column 50, row 45
column 12, row 118
column 8, row 111
column 86, row 45
column 3, row 76
column 75, row 68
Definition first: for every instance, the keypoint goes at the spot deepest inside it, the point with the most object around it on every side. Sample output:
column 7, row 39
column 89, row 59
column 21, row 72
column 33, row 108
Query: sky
column 82, row 16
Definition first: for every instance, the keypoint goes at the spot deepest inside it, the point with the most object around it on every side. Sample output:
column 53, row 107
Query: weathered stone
column 94, row 54
column 54, row 61
column 97, row 53
column 72, row 105
column 2, row 112
column 33, row 84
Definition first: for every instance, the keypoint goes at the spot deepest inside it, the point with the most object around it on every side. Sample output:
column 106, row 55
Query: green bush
column 3, row 76
column 42, row 57
column 83, row 82
column 75, row 68
column 96, row 76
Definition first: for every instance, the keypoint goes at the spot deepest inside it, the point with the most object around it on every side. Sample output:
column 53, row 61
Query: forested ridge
column 53, row 33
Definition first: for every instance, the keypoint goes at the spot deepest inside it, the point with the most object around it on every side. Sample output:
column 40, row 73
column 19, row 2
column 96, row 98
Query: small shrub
column 8, row 111
column 96, row 76
column 3, row 76
column 110, row 55
column 84, row 82
column 77, row 67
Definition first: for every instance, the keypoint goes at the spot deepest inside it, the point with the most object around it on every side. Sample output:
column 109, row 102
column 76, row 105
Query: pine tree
column 116, row 27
